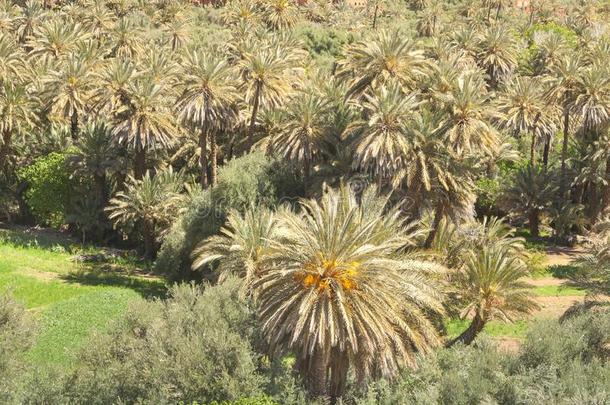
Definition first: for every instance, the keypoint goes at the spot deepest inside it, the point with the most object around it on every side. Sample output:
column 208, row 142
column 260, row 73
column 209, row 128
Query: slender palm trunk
column 468, row 336
column 306, row 174
column 100, row 188
column 534, row 222
column 5, row 147
column 533, row 149
column 252, row 126
column 438, row 216
column 375, row 14
column 213, row 159
column 203, row 158
column 140, row 163
column 606, row 191
column 546, row 151
column 74, row 125
column 564, row 150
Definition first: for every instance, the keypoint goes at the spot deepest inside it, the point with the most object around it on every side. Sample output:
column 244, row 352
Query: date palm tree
column 302, row 136
column 69, row 91
column 389, row 55
column 241, row 246
column 113, row 80
column 497, row 53
column 11, row 59
column 266, row 76
column 18, row 113
column 379, row 140
column 148, row 205
column 280, row 14
column 491, row 285
column 145, row 122
column 335, row 293
column 208, row 100
column 56, row 38
column 530, row 194
column 523, row 108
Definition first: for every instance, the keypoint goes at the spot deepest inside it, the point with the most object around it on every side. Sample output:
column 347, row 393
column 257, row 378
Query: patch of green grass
column 516, row 329
column 557, row 291
column 70, row 299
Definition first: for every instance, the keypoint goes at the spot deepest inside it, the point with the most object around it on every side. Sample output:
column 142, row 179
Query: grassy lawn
column 70, row 299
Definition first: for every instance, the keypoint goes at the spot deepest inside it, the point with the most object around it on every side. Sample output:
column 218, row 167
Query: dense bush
column 16, row 336
column 251, row 180
column 195, row 346
column 558, row 363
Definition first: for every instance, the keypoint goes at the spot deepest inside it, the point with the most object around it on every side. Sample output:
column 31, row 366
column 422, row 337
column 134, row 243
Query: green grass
column 69, row 299
column 516, row 329
column 557, row 291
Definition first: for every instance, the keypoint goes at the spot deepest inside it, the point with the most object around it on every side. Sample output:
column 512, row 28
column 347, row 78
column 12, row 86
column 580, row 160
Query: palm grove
column 348, row 165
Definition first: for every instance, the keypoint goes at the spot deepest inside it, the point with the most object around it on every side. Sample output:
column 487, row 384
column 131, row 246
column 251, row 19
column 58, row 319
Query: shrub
column 195, row 346
column 251, row 180
column 16, row 336
column 49, row 187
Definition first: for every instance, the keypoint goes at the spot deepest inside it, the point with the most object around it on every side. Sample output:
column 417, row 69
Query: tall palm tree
column 388, row 55
column 379, row 140
column 467, row 126
column 302, row 137
column 113, row 80
column 208, row 99
column 491, row 286
column 11, row 59
column 145, row 122
column 335, row 293
column 266, row 80
column 69, row 90
column 18, row 113
column 563, row 81
column 497, row 53
column 523, row 108
column 56, row 38
column 280, row 14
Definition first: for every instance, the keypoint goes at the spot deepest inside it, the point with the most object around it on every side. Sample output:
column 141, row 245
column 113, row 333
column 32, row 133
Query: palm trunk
column 564, row 150
column 533, row 150
column 74, row 125
column 252, row 126
column 606, row 191
column 318, row 374
column 5, row 147
column 468, row 336
column 148, row 234
column 438, row 216
column 545, row 153
column 534, row 222
column 593, row 201
column 140, row 163
column 375, row 14
column 213, row 158
column 100, row 187
column 338, row 375
column 203, row 158
column 306, row 174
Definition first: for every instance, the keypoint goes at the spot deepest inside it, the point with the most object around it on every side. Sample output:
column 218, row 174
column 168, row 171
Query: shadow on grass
column 36, row 237
column 562, row 271
column 146, row 287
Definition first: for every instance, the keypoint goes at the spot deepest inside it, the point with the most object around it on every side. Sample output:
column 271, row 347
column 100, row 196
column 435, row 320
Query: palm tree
column 266, row 80
column 112, row 83
column 280, row 14
column 18, row 110
column 11, row 59
column 386, row 56
column 302, row 137
column 208, row 99
column 563, row 86
column 429, row 22
column 467, row 126
column 145, row 122
column 379, row 141
column 29, row 19
column 491, row 286
column 335, row 293
column 530, row 194
column 69, row 91
column 56, row 38
column 497, row 54
column 241, row 246
column 523, row 108
column 149, row 205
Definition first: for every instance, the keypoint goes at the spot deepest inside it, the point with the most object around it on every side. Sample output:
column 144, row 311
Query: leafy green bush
column 49, row 187
column 253, row 179
column 16, row 336
column 195, row 346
